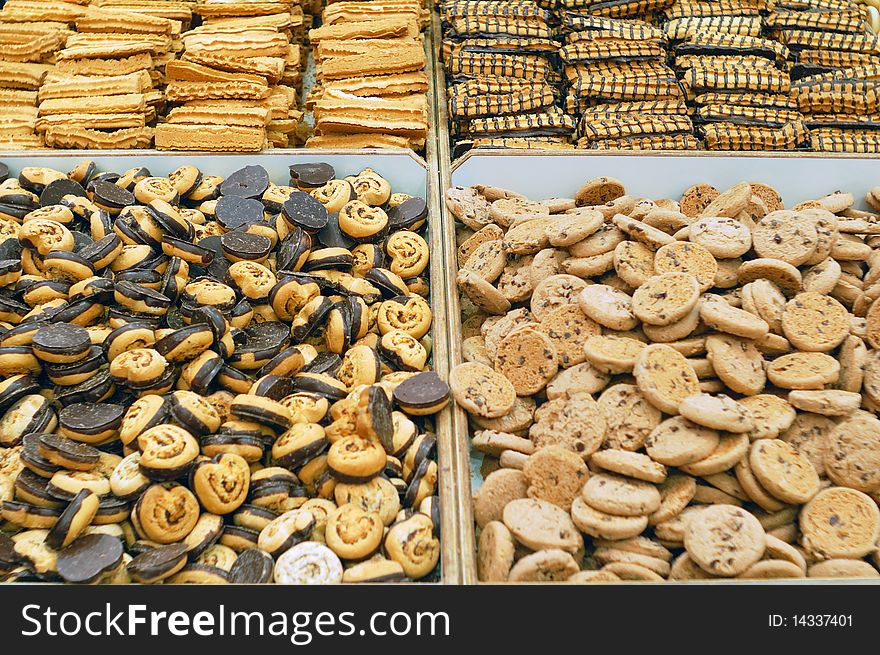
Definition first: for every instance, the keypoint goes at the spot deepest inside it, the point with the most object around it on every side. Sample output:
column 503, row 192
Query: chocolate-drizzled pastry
column 75, row 518
column 158, row 563
column 303, row 211
column 61, row 343
column 88, row 559
column 312, row 175
column 248, row 182
column 252, row 566
column 30, row 414
column 90, row 422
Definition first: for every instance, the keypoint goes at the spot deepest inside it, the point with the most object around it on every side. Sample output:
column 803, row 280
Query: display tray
column 797, row 177
column 407, row 173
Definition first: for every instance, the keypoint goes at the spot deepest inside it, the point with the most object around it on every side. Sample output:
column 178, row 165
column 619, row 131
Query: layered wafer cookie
column 404, row 60
column 272, row 68
column 402, row 117
column 627, row 8
column 838, row 140
column 62, row 86
column 547, row 123
column 381, row 85
column 703, row 78
column 654, row 142
column 746, row 115
column 245, row 116
column 114, row 20
column 92, row 121
column 588, row 26
column 250, row 43
column 22, row 76
column 629, row 125
column 124, row 103
column 729, row 136
column 854, row 42
column 530, row 98
column 380, row 28
column 681, row 29
column 105, row 66
column 365, row 140
column 71, row 136
column 23, row 11
column 215, row 138
column 183, row 91
column 694, row 8
column 159, row 44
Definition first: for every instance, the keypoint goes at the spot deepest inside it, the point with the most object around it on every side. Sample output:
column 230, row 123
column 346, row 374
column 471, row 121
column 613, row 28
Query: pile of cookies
column 235, row 85
column 371, row 85
column 836, row 58
column 671, row 389
column 502, row 79
column 102, row 92
column 620, row 86
column 735, row 78
column 30, row 34
column 212, row 380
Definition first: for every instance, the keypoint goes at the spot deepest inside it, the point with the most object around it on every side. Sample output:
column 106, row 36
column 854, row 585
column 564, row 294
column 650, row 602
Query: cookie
column 482, row 293
column 783, row 471
column 677, row 442
column 676, row 492
column 481, row 390
column 620, row 496
column 568, row 327
column 815, row 322
column 692, row 258
column 495, row 550
column 629, row 416
column 494, row 443
column 809, row 434
column 549, row 565
column 717, row 412
column 574, row 421
column 725, row 541
column 839, row 523
column 723, row 238
column 488, row 234
column 538, row 525
column 487, row 260
column 634, row 465
column 785, row 235
column 598, row 191
column 828, row 402
column 803, row 370
column 771, row 415
column 719, row 314
column 528, row 359
column 613, row 354
column 737, row 362
column 555, row 474
column 666, row 298
column 580, row 377
column 601, row 525
column 665, row 377
column 769, row 569
column 731, row 448
column 633, row 262
column 696, row 198
column 572, row 228
column 852, row 457
column 554, row 292
column 842, row 568
column 498, row 489
column 607, row 306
